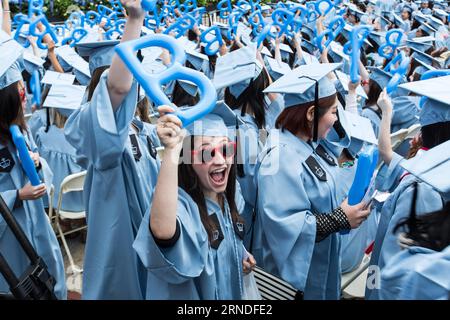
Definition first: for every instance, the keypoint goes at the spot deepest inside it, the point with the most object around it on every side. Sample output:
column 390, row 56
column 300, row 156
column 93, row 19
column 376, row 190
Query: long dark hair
column 11, row 111
column 373, row 95
column 435, row 134
column 431, row 230
column 189, row 182
column 251, row 99
column 95, row 80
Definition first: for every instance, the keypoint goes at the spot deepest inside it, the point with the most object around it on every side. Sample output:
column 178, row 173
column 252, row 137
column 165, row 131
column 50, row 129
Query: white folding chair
column 71, row 183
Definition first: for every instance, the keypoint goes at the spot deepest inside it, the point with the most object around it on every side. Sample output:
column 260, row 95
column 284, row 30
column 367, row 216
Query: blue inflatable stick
column 181, row 26
column 92, row 18
column 367, row 162
column 35, row 7
column 176, row 71
column 119, row 26
column 397, row 72
column 148, row 5
column 76, row 36
column 323, row 7
column 25, row 159
column 48, row 30
column 334, row 28
column 225, row 8
column 283, row 19
column 35, row 86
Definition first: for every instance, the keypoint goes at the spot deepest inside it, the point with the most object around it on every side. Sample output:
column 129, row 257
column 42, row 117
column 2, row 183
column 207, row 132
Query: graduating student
column 122, row 166
column 435, row 121
column 420, row 270
column 23, row 199
column 191, row 237
column 300, row 215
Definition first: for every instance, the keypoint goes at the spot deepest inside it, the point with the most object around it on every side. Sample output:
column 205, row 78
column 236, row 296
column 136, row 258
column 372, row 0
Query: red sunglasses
column 207, row 154
column 22, row 93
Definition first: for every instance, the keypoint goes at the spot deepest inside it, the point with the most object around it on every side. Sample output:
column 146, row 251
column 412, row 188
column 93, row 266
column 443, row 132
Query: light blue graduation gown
column 396, row 208
column 250, row 147
column 289, row 192
column 374, row 118
column 38, row 120
column 192, row 269
column 117, row 191
column 417, row 273
column 33, row 220
column 61, row 157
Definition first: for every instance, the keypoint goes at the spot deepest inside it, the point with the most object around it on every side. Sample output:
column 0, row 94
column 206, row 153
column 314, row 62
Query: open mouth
column 218, row 176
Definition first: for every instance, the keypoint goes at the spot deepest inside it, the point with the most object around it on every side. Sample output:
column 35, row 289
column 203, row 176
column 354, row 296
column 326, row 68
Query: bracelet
column 5, row 11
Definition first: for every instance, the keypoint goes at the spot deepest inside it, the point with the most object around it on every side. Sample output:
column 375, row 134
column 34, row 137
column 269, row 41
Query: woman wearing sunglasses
column 191, row 238
column 23, row 199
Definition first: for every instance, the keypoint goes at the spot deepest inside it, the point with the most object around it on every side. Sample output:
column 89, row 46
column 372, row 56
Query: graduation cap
column 217, row 123
column 52, row 77
column 425, row 27
column 420, row 46
column 380, row 76
column 407, row 7
column 265, row 51
column 32, row 62
column 432, row 167
column 378, row 37
column 308, row 46
column 425, row 59
column 435, row 22
column 342, row 84
column 68, row 56
column 439, row 12
column 398, row 20
column 10, row 68
column 337, row 52
column 308, row 31
column 236, row 69
column 277, row 68
column 100, row 53
column 307, row 83
column 189, row 87
column 285, row 50
column 420, row 17
column 360, row 131
column 65, row 98
column 437, row 107
column 197, row 59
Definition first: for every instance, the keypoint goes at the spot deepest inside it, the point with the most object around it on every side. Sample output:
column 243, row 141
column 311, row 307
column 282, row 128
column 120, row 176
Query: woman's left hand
column 248, row 263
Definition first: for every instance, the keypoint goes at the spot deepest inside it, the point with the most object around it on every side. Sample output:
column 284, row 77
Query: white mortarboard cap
column 52, row 77
column 197, row 59
column 437, row 107
column 32, row 62
column 10, row 70
column 65, row 97
column 432, row 167
column 299, row 89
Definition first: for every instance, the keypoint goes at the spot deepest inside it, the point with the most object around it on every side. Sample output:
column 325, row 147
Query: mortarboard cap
column 65, row 97
column 10, row 69
column 217, row 123
column 437, row 107
column 299, row 89
column 236, row 69
column 100, row 53
column 277, row 68
column 52, row 77
column 342, row 86
column 432, row 167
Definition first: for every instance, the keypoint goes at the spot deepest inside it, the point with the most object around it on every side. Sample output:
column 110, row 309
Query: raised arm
column 163, row 214
column 384, row 138
column 6, row 17
column 120, row 78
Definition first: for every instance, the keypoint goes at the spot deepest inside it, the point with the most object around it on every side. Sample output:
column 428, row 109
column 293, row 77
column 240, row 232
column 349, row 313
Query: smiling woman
column 193, row 228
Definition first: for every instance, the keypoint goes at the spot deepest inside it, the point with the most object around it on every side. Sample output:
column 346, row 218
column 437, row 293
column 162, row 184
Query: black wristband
column 327, row 224
column 167, row 243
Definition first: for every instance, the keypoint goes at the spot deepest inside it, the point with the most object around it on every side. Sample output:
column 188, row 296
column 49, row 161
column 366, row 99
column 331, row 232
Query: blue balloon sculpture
column 352, row 48
column 35, row 86
column 393, row 40
column 397, row 72
column 209, row 43
column 76, row 36
column 181, row 26
column 367, row 162
column 148, row 5
column 48, row 30
column 334, row 28
column 176, row 71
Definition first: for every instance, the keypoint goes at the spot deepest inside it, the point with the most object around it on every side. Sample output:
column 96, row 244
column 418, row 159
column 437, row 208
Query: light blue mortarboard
column 236, row 69
column 277, row 68
column 32, row 62
column 360, row 131
column 189, row 87
column 435, row 22
column 285, row 50
column 378, row 37
column 65, row 98
column 10, row 69
column 425, row 59
column 420, row 46
column 437, row 107
column 427, row 28
column 432, row 167
column 197, row 59
column 73, row 60
column 342, row 84
column 100, row 53
column 220, row 122
column 380, row 76
column 420, row 17
column 308, row 45
column 440, row 13
column 298, row 88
